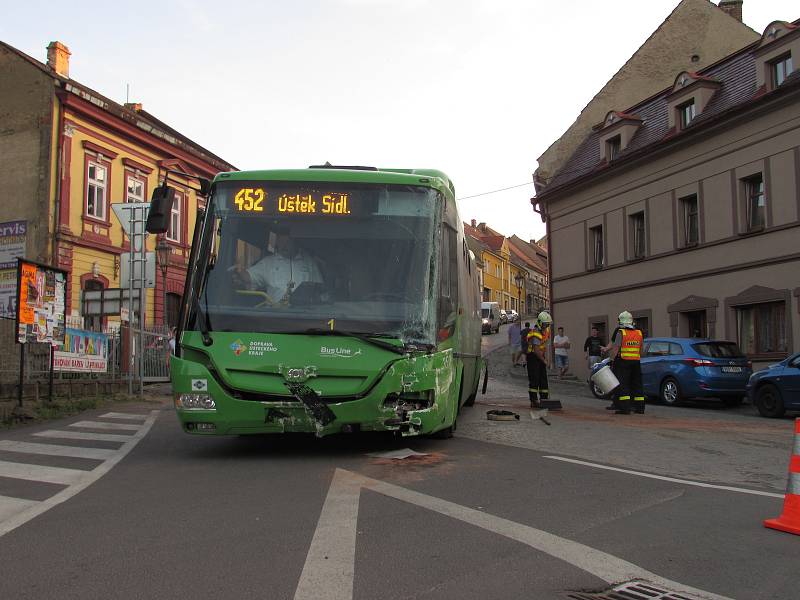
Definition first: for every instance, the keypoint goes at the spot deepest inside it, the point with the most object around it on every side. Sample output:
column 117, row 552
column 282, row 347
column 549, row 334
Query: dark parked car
column 776, row 389
column 674, row 369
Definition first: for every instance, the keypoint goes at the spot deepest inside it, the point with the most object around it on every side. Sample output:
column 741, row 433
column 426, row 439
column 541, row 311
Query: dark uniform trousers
column 538, row 388
column 629, row 374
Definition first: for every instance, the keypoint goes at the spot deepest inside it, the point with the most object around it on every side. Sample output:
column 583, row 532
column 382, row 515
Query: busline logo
column 338, row 352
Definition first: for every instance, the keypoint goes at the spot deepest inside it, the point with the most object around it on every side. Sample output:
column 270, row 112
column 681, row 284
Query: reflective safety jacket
column 537, row 338
column 631, row 346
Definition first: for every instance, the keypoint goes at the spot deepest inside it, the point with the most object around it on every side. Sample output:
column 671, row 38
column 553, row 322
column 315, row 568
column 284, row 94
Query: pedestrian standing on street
column 523, row 341
column 593, row 348
column 626, row 353
column 514, row 332
column 536, row 354
column 561, row 344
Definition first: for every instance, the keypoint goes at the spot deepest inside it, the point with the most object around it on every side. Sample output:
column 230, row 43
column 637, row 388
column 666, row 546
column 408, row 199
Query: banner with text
column 83, row 352
column 12, row 246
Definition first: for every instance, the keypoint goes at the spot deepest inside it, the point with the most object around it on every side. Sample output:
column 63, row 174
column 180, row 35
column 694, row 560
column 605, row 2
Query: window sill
column 689, row 246
column 754, row 231
column 95, row 220
column 636, row 259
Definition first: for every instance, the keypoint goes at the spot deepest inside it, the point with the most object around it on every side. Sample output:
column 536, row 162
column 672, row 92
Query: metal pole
column 21, row 372
column 131, row 312
column 142, row 298
column 50, row 382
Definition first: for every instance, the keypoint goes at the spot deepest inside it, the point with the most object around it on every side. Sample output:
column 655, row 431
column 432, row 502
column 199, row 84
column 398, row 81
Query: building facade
column 69, row 153
column 696, row 34
column 685, row 208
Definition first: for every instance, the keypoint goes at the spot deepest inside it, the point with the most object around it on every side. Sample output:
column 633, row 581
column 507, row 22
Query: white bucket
column 605, row 379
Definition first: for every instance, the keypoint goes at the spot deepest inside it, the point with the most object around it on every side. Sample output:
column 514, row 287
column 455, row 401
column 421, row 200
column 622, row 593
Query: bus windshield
column 295, row 257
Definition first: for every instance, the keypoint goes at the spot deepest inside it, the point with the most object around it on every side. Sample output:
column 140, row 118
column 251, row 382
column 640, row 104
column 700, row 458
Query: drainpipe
column 59, row 175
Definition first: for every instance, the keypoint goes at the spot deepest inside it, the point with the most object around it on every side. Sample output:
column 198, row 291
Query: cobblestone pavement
column 704, row 441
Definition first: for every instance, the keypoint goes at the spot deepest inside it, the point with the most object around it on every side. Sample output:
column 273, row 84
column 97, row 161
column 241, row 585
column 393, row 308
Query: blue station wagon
column 675, row 369
column 776, row 389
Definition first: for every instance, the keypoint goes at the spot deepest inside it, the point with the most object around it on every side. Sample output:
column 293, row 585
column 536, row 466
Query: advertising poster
column 41, row 298
column 12, row 246
column 83, row 352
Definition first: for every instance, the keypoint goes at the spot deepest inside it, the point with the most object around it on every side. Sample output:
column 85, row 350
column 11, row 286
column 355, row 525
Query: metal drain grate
column 633, row 590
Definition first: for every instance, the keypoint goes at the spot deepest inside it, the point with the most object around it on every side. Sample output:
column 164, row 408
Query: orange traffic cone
column 789, row 521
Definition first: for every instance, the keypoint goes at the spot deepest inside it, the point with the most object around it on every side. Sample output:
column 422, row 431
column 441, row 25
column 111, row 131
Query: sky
column 476, row 88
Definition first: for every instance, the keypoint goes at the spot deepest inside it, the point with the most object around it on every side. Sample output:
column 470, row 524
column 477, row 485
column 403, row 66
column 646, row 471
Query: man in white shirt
column 561, row 345
column 280, row 273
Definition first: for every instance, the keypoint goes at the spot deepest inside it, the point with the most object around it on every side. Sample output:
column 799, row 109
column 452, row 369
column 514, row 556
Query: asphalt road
column 496, row 512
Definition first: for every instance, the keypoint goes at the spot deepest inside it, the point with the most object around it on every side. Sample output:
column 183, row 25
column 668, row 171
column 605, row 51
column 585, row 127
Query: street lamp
column 519, row 280
column 163, row 252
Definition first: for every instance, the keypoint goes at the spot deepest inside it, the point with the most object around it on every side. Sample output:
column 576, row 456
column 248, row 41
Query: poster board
column 12, row 246
column 83, row 352
column 41, row 302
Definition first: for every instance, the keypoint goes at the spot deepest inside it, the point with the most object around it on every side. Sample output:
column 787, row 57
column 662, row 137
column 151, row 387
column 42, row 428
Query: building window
column 781, row 69
column 174, row 231
column 497, row 270
column 691, row 221
column 134, row 189
column 93, row 323
column 686, row 113
column 643, row 324
column 598, row 255
column 756, row 202
column 96, row 187
column 613, row 147
column 173, row 309
column 762, row 328
column 638, row 246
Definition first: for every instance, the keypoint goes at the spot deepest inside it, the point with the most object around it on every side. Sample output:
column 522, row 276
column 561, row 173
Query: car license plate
column 731, row 369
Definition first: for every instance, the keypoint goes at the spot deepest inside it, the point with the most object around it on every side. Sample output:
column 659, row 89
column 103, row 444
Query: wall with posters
column 40, row 298
column 83, row 352
column 12, row 246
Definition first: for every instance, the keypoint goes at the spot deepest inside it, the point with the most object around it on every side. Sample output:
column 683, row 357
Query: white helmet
column 625, row 319
column 544, row 317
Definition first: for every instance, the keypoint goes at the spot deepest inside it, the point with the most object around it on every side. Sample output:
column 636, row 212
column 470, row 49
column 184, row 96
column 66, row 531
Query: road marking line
column 11, row 506
column 102, row 425
column 336, row 540
column 671, row 479
column 56, row 450
column 40, row 473
column 82, row 435
column 330, row 564
column 117, row 415
column 89, row 478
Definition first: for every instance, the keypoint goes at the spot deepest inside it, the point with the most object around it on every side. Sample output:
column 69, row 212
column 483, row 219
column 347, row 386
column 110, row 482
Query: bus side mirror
column 160, row 209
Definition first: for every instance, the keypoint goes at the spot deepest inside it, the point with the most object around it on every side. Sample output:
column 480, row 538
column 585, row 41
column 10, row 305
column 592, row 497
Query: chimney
column 733, row 8
column 474, row 222
column 58, row 58
column 134, row 106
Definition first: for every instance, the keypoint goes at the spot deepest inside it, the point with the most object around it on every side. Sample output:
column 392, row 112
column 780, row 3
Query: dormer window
column 780, row 69
column 616, row 132
column 776, row 54
column 690, row 95
column 687, row 112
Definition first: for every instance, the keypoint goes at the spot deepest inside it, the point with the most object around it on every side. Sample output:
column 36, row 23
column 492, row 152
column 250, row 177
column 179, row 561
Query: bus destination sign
column 299, row 203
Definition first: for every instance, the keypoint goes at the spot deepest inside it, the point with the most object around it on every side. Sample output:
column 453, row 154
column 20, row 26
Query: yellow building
column 86, row 154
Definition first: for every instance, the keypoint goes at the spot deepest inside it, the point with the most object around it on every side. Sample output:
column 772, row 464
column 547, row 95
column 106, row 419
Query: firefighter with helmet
column 536, row 353
column 626, row 353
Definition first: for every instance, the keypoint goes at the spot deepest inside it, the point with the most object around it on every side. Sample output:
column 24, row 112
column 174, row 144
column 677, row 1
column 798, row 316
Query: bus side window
column 448, row 274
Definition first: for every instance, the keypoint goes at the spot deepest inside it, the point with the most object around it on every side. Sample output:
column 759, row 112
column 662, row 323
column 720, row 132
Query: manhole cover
column 633, row 590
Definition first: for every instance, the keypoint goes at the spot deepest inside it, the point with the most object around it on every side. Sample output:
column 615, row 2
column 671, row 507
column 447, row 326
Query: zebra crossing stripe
column 56, row 450
column 82, row 435
column 103, row 425
column 86, row 477
column 117, row 415
column 40, row 473
column 11, row 506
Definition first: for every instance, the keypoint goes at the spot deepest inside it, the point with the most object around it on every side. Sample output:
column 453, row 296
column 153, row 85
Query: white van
column 490, row 317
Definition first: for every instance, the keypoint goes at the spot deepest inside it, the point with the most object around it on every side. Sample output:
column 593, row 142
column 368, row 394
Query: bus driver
column 280, row 273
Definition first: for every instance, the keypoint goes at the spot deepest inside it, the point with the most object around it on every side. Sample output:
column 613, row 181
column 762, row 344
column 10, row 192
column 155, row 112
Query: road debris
column 540, row 415
column 501, row 415
column 397, row 454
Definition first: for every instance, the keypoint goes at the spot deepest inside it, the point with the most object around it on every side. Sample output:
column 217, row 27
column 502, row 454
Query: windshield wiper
column 364, row 337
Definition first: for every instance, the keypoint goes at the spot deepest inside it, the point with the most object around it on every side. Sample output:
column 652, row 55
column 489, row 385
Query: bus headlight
column 195, row 402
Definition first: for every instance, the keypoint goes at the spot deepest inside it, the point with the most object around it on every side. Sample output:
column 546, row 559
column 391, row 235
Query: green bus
column 328, row 300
